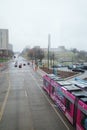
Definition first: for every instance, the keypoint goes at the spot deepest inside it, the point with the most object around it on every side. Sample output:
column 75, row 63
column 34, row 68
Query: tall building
column 3, row 41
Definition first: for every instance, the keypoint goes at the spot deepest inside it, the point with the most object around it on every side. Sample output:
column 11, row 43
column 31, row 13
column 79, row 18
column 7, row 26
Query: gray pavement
column 25, row 105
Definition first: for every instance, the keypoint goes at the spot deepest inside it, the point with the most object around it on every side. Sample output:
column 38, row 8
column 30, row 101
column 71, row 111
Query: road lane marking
column 4, row 103
column 51, row 104
column 31, row 120
column 26, row 94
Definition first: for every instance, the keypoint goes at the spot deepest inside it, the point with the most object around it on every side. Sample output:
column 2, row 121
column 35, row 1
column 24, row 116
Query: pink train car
column 81, row 121
column 48, row 80
column 67, row 97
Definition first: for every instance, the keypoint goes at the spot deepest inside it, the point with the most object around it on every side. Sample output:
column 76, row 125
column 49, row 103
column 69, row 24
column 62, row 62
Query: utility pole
column 48, row 51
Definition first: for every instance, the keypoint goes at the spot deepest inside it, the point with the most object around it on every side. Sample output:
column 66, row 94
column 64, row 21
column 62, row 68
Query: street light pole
column 48, row 51
column 53, row 62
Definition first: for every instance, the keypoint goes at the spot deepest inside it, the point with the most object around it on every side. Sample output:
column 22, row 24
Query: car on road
column 20, row 65
column 16, row 64
column 24, row 64
column 28, row 63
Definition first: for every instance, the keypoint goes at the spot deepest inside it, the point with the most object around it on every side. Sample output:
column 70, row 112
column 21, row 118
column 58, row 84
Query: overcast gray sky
column 30, row 21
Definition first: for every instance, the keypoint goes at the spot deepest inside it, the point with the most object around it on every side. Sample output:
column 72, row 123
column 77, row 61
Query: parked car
column 59, row 65
column 54, row 66
column 85, row 67
column 70, row 66
column 78, row 69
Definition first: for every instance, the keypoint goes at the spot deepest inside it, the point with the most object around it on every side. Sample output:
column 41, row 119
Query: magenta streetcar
column 69, row 98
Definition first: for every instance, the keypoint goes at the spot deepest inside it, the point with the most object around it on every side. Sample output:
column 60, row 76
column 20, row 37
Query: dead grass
column 62, row 74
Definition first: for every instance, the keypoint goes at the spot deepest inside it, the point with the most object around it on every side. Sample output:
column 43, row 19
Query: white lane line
column 51, row 103
column 26, row 94
column 5, row 100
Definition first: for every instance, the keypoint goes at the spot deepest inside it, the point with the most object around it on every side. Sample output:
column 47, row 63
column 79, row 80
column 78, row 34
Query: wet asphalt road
column 23, row 103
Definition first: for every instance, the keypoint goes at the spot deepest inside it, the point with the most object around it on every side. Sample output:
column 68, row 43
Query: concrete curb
column 72, row 76
column 41, row 72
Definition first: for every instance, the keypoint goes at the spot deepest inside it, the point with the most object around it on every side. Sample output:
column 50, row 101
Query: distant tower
column 49, row 41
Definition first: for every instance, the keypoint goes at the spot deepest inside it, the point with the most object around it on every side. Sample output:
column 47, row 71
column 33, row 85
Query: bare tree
column 36, row 54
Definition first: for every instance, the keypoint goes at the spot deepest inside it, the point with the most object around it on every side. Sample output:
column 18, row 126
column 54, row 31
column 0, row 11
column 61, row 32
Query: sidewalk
column 2, row 66
column 41, row 72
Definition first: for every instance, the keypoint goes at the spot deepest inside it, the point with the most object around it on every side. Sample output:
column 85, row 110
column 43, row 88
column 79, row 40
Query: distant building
column 56, row 50
column 3, row 39
column 62, row 49
column 37, row 47
column 10, row 47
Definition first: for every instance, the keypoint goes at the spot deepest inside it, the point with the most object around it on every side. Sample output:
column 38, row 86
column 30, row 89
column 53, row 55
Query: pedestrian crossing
column 16, row 71
column 13, row 70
